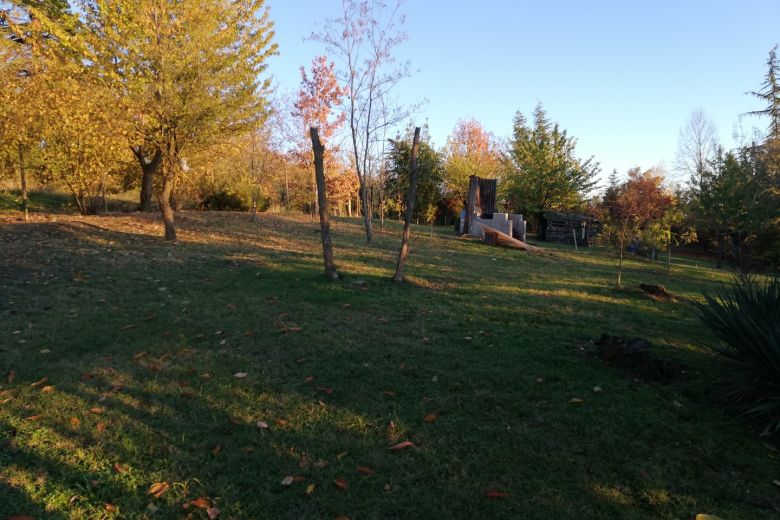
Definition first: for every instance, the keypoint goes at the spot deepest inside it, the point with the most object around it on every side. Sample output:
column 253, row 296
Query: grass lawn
column 218, row 366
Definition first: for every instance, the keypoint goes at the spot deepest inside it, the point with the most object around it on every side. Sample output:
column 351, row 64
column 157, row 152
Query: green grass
column 45, row 201
column 140, row 341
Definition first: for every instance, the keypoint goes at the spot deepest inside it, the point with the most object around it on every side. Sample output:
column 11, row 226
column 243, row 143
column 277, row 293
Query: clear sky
column 621, row 76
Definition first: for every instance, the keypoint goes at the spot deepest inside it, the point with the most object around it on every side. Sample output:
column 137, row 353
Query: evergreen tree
column 542, row 169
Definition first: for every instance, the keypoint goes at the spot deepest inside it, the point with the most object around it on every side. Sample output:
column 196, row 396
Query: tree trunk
column 322, row 196
column 23, row 179
column 366, row 211
column 147, row 181
column 620, row 264
column 404, row 253
column 166, row 209
column 253, row 215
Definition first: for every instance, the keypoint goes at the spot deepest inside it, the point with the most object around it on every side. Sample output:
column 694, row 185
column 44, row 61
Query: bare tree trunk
column 404, row 253
column 253, row 215
column 319, row 173
column 147, row 181
column 366, row 212
column 620, row 264
column 23, row 179
column 167, row 210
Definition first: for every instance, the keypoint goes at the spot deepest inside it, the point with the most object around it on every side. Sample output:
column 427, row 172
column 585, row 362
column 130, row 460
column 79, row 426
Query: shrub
column 745, row 316
column 224, row 201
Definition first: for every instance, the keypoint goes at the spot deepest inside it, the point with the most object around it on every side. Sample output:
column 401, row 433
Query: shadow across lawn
column 152, row 335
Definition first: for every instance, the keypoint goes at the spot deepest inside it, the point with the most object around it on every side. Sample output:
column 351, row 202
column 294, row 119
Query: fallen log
column 495, row 237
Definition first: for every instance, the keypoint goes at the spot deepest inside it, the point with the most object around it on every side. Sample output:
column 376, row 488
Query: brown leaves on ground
column 288, row 480
column 364, row 470
column 341, row 484
column 576, row 400
column 39, row 382
column 497, row 495
column 328, row 390
column 158, row 489
column 431, row 417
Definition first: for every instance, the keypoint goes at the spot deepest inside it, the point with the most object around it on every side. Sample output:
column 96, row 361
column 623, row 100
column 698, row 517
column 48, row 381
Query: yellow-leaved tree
column 190, row 73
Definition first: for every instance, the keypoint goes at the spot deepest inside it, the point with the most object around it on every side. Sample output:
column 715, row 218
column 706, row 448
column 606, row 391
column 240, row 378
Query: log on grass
column 496, row 237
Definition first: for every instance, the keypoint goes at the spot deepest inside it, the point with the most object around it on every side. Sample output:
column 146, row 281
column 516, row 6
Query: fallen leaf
column 281, row 422
column 287, row 481
column 158, row 488
column 262, row 425
column 39, row 382
column 346, row 306
column 119, row 468
column 294, row 329
column 33, row 417
column 129, row 326
column 388, row 393
column 47, row 389
column 138, row 355
column 496, row 494
column 321, row 464
column 249, row 333
column 96, row 409
column 213, row 512
column 776, row 482
column 540, row 380
column 240, row 375
column 309, row 379
column 328, row 390
column 341, row 484
column 342, row 455
column 111, row 508
column 401, row 445
column 310, row 489
column 431, row 417
column 201, row 502
column 299, row 478
column 597, row 389
column 101, row 426
column 363, row 470
column 74, row 421
column 216, row 449
column 576, row 400
column 73, row 500
column 387, row 487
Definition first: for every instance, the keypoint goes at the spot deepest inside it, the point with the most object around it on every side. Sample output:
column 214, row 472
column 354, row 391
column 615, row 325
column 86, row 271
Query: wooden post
column 322, row 196
column 574, row 236
column 404, row 253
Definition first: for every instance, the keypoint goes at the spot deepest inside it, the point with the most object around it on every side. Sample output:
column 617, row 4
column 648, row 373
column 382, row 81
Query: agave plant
column 745, row 316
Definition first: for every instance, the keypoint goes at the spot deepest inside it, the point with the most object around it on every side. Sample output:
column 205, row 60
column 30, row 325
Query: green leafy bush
column 746, row 317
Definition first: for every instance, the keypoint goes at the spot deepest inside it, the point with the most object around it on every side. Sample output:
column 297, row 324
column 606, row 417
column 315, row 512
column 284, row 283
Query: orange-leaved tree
column 639, row 206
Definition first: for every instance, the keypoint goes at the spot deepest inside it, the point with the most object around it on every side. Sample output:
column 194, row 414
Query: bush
column 224, row 201
column 746, row 317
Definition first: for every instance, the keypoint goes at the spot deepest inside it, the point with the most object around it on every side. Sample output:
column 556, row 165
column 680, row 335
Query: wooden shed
column 565, row 228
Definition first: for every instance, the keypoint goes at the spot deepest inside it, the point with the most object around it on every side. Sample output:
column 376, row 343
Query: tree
column 470, row 150
column 189, row 70
column 638, row 212
column 770, row 95
column 430, row 175
column 541, row 169
column 697, row 147
column 317, row 99
column 363, row 39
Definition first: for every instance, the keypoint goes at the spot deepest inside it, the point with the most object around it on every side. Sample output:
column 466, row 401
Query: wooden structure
column 568, row 228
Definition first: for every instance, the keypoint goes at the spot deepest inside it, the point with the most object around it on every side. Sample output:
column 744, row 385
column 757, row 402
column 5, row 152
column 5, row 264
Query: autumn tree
column 363, row 38
column 637, row 211
column 470, row 150
column 542, row 170
column 318, row 99
column 190, row 70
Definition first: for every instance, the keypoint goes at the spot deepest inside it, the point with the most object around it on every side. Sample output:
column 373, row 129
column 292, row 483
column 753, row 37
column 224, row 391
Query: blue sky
column 621, row 76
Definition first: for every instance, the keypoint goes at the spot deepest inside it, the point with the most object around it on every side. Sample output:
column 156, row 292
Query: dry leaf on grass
column 401, row 445
column 240, row 375
column 576, row 400
column 363, row 470
column 431, row 417
column 496, row 494
column 213, row 512
column 288, row 480
column 158, row 488
column 341, row 484
column 262, row 425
